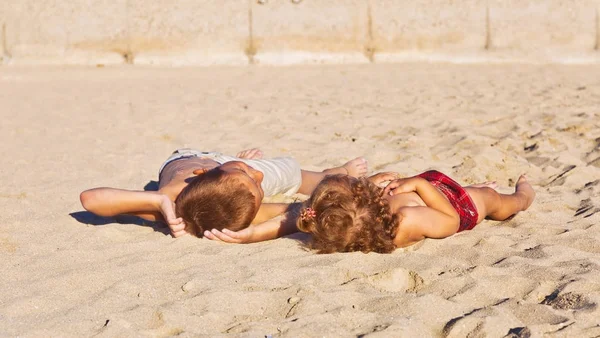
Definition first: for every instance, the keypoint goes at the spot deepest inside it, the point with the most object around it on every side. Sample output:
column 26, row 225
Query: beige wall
column 207, row 32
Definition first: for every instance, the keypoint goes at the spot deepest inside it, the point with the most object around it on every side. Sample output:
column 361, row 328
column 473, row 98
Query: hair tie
column 308, row 213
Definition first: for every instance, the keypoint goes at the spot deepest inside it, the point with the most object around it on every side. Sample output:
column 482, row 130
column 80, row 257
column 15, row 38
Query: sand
column 68, row 273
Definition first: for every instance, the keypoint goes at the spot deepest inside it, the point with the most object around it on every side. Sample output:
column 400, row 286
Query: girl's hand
column 380, row 178
column 167, row 209
column 228, row 236
column 250, row 154
column 401, row 185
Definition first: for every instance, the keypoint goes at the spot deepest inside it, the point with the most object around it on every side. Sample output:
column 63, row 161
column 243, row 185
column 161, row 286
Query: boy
column 211, row 190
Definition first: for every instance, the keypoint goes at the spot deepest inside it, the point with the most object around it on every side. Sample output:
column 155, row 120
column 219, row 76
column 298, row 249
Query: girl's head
column 348, row 214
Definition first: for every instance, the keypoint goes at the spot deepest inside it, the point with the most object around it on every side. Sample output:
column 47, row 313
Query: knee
column 491, row 197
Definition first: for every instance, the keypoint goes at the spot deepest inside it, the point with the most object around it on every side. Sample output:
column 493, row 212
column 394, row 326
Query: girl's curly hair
column 348, row 214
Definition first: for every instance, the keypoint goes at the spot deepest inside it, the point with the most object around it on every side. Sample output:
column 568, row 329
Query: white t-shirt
column 282, row 175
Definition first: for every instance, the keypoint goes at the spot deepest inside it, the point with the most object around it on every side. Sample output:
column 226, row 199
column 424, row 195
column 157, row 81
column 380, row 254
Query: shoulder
column 409, row 231
column 173, row 189
column 409, row 217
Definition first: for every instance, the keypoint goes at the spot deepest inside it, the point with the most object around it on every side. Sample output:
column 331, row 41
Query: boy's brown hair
column 215, row 200
column 347, row 214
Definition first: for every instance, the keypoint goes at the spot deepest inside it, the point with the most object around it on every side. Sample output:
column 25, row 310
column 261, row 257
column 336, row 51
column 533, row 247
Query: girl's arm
column 437, row 220
column 432, row 197
column 269, row 210
column 418, row 223
column 279, row 226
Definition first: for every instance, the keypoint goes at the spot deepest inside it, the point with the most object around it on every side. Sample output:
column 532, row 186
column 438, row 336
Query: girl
column 355, row 214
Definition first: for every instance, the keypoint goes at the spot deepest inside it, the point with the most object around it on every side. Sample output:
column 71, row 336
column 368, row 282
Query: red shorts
column 458, row 197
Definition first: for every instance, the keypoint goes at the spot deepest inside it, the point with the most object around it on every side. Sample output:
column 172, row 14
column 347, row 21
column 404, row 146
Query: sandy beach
column 68, row 273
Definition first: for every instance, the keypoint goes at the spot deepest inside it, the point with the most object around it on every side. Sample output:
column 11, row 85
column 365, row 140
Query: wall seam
column 488, row 29
column 250, row 46
column 597, row 45
column 128, row 54
column 5, row 52
column 369, row 50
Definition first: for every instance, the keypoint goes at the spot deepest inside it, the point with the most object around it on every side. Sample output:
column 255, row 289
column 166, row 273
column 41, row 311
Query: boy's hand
column 167, row 209
column 228, row 236
column 177, row 227
column 380, row 178
column 402, row 185
column 250, row 154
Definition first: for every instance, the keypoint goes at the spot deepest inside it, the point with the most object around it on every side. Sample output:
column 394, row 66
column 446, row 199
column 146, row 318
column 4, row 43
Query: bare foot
column 525, row 189
column 488, row 184
column 250, row 154
column 357, row 167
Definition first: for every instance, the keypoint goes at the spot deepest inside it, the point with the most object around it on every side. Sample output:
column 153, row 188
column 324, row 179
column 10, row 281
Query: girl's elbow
column 454, row 223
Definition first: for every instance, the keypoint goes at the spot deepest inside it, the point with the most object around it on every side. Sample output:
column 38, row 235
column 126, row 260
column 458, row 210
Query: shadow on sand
column 87, row 217
column 151, row 186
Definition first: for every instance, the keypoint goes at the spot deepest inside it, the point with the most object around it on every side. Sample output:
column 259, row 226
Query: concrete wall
column 208, row 32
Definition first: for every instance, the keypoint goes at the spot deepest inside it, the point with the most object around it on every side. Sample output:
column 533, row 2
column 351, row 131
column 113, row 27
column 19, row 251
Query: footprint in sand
column 589, row 186
column 537, row 252
column 586, row 208
column 559, row 179
column 470, row 324
column 396, row 280
column 518, row 332
column 568, row 301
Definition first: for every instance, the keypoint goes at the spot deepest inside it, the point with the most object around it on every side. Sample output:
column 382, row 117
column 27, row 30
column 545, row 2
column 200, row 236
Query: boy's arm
column 112, row 202
column 279, row 226
column 149, row 205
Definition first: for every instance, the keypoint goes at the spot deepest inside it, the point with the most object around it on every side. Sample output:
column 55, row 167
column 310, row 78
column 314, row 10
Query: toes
column 251, row 154
column 255, row 153
column 357, row 167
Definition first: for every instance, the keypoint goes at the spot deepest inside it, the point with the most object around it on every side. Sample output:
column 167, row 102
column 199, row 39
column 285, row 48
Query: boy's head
column 348, row 214
column 227, row 196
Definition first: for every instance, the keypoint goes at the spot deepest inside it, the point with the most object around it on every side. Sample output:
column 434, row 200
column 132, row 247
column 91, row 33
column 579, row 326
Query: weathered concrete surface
column 285, row 31
column 162, row 32
column 415, row 29
column 553, row 30
column 189, row 32
column 58, row 31
column 2, row 30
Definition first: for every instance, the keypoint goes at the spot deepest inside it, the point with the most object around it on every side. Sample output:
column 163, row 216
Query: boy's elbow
column 88, row 200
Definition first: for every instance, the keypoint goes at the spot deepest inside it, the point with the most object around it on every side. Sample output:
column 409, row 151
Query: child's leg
column 499, row 207
column 489, row 184
column 310, row 179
